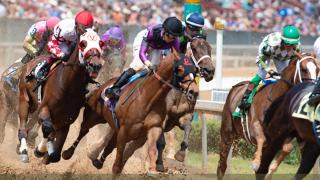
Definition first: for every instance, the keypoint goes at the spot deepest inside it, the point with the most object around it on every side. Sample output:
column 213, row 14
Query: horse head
column 200, row 51
column 301, row 69
column 90, row 52
column 184, row 73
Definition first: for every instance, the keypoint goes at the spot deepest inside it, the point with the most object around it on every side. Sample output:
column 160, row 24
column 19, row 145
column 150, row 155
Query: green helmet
column 290, row 35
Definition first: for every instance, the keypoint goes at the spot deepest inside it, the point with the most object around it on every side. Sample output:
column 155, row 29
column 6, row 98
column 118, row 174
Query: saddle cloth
column 304, row 111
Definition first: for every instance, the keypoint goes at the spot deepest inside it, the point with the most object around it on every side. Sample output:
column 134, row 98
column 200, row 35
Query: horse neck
column 74, row 76
column 154, row 87
column 285, row 83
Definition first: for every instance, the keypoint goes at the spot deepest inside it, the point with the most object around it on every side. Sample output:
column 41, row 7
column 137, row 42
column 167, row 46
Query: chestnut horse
column 231, row 129
column 180, row 108
column 143, row 113
column 63, row 95
column 282, row 125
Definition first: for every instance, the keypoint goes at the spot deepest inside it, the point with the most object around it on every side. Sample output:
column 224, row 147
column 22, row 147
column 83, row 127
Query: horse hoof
column 37, row 153
column 97, row 163
column 54, row 157
column 67, row 154
column 255, row 166
column 180, row 155
column 152, row 173
column 45, row 159
column 116, row 170
column 160, row 168
column 24, row 157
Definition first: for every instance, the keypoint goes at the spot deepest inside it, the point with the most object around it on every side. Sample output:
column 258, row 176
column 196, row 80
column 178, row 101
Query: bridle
column 298, row 70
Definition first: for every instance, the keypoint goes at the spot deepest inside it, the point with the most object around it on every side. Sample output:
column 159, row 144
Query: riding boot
column 26, row 58
column 244, row 101
column 114, row 91
column 314, row 98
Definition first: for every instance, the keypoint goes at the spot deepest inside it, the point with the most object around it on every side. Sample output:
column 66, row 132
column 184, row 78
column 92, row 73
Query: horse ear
column 180, row 70
column 175, row 53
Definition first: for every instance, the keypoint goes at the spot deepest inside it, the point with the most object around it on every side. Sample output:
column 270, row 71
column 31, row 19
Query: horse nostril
column 191, row 92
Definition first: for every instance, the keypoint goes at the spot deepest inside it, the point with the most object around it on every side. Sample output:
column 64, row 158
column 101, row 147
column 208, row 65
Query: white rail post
column 219, row 26
column 204, row 143
column 316, row 169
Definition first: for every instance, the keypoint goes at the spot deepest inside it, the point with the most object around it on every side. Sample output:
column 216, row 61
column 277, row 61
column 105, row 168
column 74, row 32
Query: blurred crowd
column 237, row 15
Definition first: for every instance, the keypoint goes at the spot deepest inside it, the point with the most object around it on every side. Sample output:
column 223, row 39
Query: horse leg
column 186, row 125
column 94, row 152
column 132, row 147
column 227, row 138
column 153, row 136
column 260, row 138
column 309, row 155
column 46, row 144
column 121, row 144
column 98, row 163
column 286, row 149
column 161, row 143
column 268, row 153
column 61, row 136
column 33, row 127
column 22, row 133
column 86, row 125
column 4, row 115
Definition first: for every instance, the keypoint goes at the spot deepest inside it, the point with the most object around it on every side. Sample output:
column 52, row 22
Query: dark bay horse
column 231, row 129
column 180, row 108
column 63, row 94
column 142, row 115
column 282, row 125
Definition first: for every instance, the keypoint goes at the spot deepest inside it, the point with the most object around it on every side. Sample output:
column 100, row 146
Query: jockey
column 315, row 95
column 278, row 47
column 193, row 26
column 37, row 37
column 113, row 39
column 147, row 47
column 63, row 41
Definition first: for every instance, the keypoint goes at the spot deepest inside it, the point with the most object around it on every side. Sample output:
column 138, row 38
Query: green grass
column 238, row 165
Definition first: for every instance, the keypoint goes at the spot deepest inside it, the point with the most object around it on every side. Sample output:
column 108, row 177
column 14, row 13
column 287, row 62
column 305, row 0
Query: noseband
column 298, row 70
column 195, row 61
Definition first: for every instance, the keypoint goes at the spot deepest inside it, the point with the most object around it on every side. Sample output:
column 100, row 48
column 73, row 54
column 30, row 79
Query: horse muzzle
column 93, row 70
column 207, row 74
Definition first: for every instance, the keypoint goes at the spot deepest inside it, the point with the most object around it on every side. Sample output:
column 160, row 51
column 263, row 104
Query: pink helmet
column 52, row 21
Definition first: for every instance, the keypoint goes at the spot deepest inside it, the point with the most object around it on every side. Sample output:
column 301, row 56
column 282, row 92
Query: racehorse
column 180, row 108
column 303, row 68
column 284, row 125
column 140, row 113
column 60, row 97
column 9, row 101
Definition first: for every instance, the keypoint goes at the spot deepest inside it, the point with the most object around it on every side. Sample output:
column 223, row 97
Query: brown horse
column 282, row 125
column 143, row 113
column 63, row 95
column 180, row 108
column 231, row 129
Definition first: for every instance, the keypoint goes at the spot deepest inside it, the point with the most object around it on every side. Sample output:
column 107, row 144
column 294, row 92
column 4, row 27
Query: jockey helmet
column 116, row 32
column 84, row 19
column 195, row 19
column 290, row 35
column 51, row 22
column 173, row 26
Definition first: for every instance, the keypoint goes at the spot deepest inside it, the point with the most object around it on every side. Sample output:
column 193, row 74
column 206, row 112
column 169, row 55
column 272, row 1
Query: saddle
column 111, row 103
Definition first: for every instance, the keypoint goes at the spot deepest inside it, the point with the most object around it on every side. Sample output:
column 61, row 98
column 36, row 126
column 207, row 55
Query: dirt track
column 79, row 163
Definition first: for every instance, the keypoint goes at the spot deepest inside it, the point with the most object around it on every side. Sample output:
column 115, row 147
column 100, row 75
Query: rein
column 298, row 71
column 194, row 59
